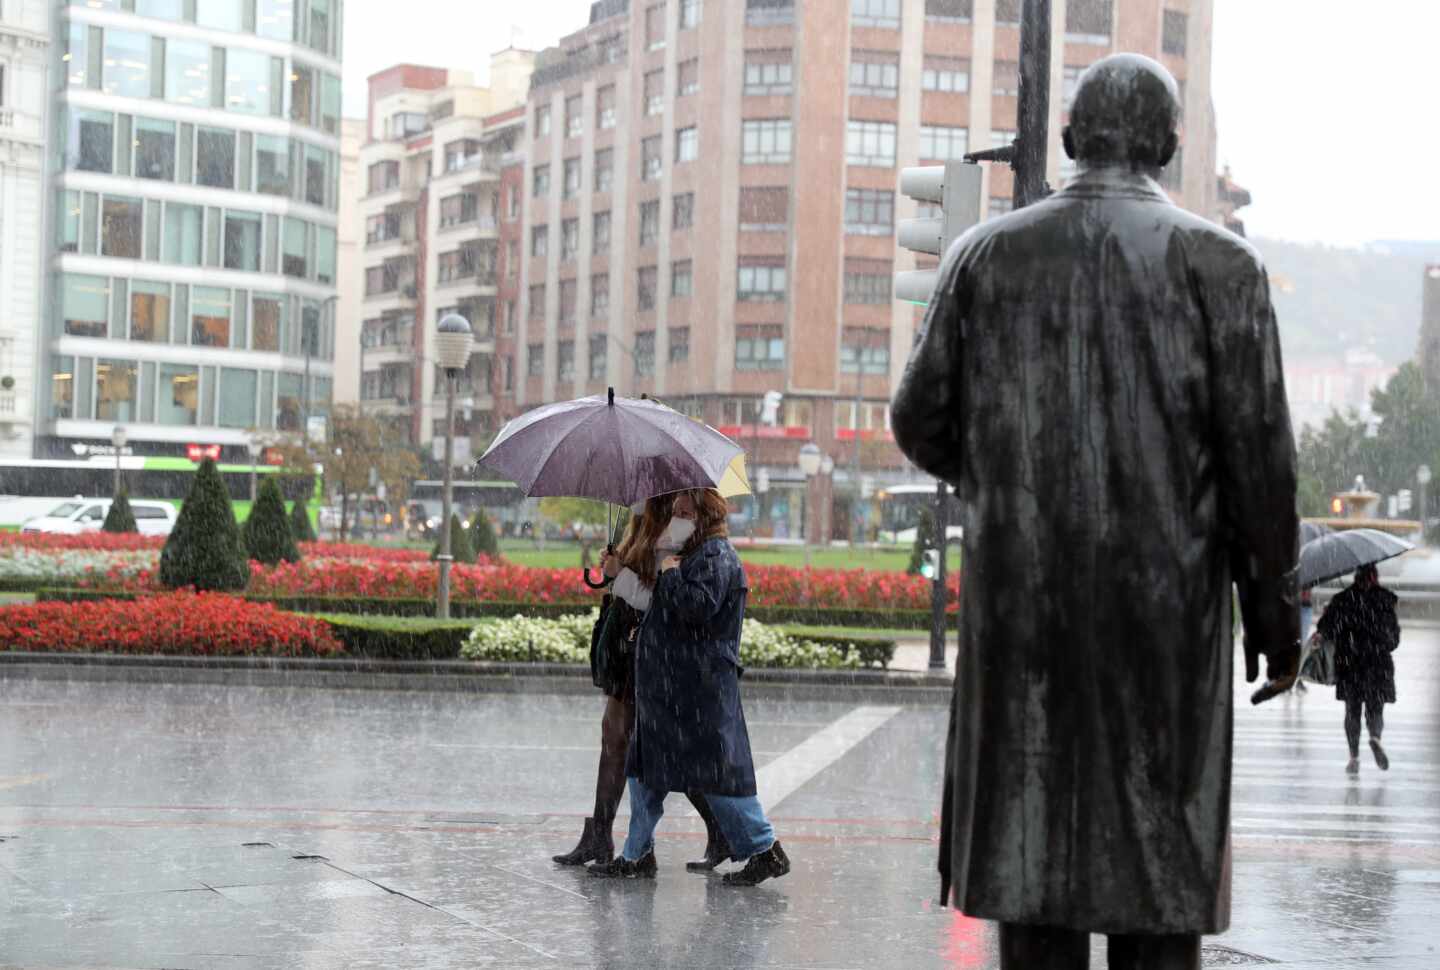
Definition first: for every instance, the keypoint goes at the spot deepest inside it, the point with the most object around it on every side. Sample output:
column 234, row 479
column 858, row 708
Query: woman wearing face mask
column 689, row 724
column 634, row 567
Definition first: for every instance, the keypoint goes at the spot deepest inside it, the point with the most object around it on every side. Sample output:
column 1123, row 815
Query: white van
column 88, row 515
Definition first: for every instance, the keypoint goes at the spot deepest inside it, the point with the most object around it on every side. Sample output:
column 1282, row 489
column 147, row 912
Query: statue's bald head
column 1126, row 111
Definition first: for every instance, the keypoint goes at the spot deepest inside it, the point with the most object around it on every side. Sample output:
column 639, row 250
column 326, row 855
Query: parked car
column 88, row 515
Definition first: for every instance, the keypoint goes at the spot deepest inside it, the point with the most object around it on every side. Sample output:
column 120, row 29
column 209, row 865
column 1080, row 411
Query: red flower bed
column 187, row 623
column 492, row 583
column 843, row 588
column 349, row 550
column 96, row 541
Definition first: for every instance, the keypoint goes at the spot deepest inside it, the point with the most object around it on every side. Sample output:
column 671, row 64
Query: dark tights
column 1050, row 948
column 615, row 727
column 1374, row 722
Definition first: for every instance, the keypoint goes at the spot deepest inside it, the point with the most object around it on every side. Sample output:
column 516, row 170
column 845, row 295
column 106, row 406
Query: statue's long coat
column 1099, row 376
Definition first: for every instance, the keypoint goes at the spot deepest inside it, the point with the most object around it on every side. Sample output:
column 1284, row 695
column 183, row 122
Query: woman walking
column 634, row 567
column 1360, row 621
column 690, row 728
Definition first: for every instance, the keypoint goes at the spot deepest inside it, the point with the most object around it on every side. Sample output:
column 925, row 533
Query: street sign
column 762, row 481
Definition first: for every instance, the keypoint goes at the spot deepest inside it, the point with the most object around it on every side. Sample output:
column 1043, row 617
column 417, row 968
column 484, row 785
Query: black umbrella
column 1340, row 553
column 1312, row 530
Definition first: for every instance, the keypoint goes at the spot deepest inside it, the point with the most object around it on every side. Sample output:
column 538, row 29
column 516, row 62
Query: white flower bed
column 66, row 567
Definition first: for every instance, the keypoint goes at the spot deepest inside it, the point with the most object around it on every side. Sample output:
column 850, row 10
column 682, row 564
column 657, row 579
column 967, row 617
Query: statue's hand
column 1282, row 667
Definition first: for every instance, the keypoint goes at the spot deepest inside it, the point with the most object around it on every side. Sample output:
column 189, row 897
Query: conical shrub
column 460, row 548
column 482, row 537
column 205, row 549
column 300, row 524
column 120, row 518
column 268, row 536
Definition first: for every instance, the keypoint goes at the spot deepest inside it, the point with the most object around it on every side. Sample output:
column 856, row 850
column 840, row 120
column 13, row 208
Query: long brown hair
column 637, row 550
column 711, row 518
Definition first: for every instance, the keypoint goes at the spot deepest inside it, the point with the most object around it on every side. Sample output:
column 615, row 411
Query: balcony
column 477, row 227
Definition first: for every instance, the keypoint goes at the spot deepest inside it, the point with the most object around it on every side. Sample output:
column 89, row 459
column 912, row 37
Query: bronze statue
column 1099, row 377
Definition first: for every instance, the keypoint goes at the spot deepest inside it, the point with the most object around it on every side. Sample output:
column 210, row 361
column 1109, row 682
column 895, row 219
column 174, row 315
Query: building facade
column 711, row 201
column 25, row 32
column 430, row 199
column 196, row 183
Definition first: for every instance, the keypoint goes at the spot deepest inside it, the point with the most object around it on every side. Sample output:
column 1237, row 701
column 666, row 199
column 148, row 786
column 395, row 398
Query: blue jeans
column 741, row 819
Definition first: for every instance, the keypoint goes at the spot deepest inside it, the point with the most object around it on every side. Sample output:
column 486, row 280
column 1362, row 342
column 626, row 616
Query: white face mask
column 678, row 532
column 638, row 509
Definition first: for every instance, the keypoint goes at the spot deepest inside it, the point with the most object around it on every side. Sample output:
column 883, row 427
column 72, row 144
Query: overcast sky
column 1326, row 114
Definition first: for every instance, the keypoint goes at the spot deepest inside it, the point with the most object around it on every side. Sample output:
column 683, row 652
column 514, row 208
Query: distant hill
column 1329, row 300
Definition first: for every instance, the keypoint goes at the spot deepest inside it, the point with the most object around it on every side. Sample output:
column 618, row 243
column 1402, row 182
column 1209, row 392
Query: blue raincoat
column 690, row 729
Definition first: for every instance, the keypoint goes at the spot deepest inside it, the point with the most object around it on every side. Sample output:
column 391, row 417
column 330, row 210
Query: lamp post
column 254, row 447
column 1422, row 475
column 452, row 352
column 809, row 467
column 827, row 505
column 118, row 437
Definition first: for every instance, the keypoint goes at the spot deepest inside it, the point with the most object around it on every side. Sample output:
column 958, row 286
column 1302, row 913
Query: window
column 542, row 120
column 149, row 312
column 1172, row 35
column 215, row 158
column 1000, row 137
column 682, row 280
column 180, row 394
column 116, row 390
column 600, row 233
column 539, row 241
column 1007, row 12
column 571, row 187
column 651, row 160
column 209, row 317
column 220, row 14
column 460, row 153
column 649, row 223
column 127, row 65
column 68, row 211
column 535, row 360
column 513, row 211
column 295, row 249
column 605, row 107
column 761, row 280
column 1071, row 82
column 507, row 326
column 687, row 144
column 267, row 316
column 599, row 294
column 155, row 149
column 319, row 175
column 950, row 75
column 92, row 141
column 767, row 72
column 951, row 11
column 604, row 169
column 404, row 124
column 85, row 305
column 764, row 209
column 869, row 212
column 654, row 91
column 679, row 345
column 565, row 361
column 182, row 234
column 682, row 211
column 1088, row 22
column 537, row 302
column 765, row 142
column 384, row 175
column 574, row 116
column 769, row 13
column 875, row 13
column 122, row 224
column 599, row 343
column 655, row 26
column 874, row 74
column 1001, row 204
column 275, row 19
column 611, row 50
column 302, row 98
column 386, row 226
column 645, row 353
column 688, row 77
column 759, row 347
column 77, row 57
column 689, row 14
column 867, row 281
column 242, row 241
column 569, row 239
column 646, row 281
column 870, row 143
column 541, row 185
column 942, row 143
column 455, row 210
column 247, row 82
column 456, row 265
column 568, row 299
column 238, row 390
column 1007, row 79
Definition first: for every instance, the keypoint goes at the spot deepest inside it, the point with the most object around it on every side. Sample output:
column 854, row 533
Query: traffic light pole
column 1027, row 157
column 938, row 591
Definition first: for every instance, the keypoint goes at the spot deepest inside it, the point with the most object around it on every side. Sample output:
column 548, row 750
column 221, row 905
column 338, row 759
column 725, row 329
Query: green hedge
column 872, row 651
column 399, row 638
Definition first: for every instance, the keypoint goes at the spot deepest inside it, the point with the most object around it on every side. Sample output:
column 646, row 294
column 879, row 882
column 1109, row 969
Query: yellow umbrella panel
column 734, row 482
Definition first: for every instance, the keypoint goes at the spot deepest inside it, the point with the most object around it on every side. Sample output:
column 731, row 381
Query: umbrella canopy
column 735, row 481
column 1338, row 553
column 1312, row 530
column 609, row 448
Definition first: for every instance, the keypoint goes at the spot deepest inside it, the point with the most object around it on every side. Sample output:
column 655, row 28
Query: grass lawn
column 859, row 632
column 558, row 555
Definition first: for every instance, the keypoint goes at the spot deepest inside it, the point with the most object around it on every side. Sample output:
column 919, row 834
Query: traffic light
column 956, row 187
column 930, row 566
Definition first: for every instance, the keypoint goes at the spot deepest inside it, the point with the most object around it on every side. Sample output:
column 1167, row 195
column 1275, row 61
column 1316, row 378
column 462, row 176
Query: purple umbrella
column 611, row 449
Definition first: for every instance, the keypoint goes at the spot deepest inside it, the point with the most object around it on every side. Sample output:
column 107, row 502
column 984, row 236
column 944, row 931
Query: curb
column 448, row 675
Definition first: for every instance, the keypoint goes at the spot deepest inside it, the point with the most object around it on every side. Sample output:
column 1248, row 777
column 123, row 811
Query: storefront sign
column 198, row 453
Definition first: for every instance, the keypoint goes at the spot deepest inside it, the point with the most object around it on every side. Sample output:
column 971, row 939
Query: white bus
column 900, row 507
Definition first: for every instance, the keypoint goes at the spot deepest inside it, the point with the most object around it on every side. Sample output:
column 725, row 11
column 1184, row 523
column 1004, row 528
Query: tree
column 120, row 518
column 924, row 541
column 205, row 549
column 268, row 535
column 460, row 548
column 300, row 525
column 482, row 536
column 580, row 516
column 360, row 443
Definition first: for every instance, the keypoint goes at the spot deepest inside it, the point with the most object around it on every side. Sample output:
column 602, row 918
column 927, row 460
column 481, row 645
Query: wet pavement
column 191, row 826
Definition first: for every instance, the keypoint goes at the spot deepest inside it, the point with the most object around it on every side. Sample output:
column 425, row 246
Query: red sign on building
column 198, row 453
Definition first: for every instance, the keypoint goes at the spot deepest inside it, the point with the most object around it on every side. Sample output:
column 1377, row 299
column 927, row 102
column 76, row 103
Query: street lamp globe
column 810, row 459
column 1422, row 474
column 119, row 436
column 453, row 341
column 827, row 465
column 254, row 447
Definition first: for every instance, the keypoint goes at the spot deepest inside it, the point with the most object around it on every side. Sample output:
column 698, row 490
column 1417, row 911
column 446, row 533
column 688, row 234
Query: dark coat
column 1361, row 624
column 690, row 729
column 1099, row 376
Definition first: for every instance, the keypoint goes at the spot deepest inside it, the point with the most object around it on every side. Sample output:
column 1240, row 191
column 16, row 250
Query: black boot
column 595, row 845
column 622, row 868
column 770, row 864
column 717, row 850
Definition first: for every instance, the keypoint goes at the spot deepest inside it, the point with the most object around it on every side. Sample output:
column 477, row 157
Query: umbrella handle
column 604, row 581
